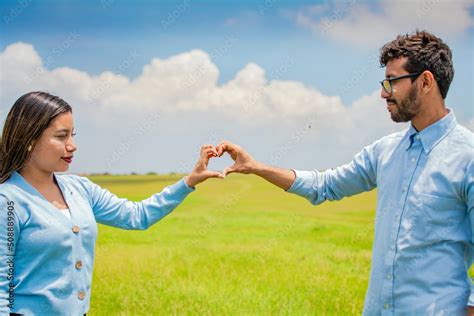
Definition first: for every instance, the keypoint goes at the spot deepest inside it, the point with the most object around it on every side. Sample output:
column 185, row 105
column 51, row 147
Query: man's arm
column 334, row 184
column 283, row 178
column 244, row 163
column 469, row 198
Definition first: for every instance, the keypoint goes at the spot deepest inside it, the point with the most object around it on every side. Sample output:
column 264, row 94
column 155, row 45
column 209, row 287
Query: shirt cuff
column 470, row 302
column 304, row 183
column 180, row 189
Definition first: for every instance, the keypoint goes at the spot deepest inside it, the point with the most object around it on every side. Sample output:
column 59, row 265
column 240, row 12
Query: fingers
column 225, row 146
column 208, row 151
column 214, row 174
column 220, row 148
column 211, row 152
column 208, row 148
column 229, row 170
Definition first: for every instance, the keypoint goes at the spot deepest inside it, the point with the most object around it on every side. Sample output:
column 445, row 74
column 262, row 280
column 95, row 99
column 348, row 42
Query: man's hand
column 470, row 311
column 200, row 172
column 243, row 162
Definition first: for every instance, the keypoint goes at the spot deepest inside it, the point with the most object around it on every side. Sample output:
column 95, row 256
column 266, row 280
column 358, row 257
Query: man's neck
column 428, row 117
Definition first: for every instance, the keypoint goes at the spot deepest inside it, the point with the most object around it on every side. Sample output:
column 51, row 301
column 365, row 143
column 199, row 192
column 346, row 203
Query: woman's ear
column 30, row 147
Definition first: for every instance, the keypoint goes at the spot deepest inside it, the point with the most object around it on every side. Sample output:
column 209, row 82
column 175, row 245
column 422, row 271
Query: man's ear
column 428, row 82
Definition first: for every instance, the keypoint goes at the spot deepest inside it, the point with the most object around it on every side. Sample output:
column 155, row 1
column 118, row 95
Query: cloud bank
column 181, row 95
column 369, row 24
column 181, row 83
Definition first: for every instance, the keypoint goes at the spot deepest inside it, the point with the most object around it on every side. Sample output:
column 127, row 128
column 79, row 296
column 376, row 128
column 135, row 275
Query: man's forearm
column 282, row 178
column 470, row 311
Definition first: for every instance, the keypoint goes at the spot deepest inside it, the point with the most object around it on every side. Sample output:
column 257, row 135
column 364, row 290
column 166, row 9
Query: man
column 425, row 179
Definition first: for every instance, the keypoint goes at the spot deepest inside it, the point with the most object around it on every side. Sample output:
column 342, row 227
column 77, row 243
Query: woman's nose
column 71, row 146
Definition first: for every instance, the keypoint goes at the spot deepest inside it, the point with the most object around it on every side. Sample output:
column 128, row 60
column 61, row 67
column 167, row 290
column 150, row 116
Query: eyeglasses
column 387, row 83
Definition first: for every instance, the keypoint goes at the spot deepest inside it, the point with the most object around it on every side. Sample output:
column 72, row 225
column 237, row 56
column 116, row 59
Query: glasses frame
column 390, row 80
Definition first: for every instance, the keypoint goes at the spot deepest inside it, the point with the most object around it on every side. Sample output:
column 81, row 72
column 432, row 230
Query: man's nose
column 384, row 94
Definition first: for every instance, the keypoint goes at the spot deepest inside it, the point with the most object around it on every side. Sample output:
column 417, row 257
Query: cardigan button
column 81, row 295
column 75, row 229
column 78, row 265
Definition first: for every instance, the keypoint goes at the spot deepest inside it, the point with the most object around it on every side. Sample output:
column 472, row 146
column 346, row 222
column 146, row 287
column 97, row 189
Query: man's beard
column 407, row 108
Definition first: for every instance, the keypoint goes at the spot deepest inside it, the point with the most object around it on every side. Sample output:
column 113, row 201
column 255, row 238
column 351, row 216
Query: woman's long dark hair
column 25, row 123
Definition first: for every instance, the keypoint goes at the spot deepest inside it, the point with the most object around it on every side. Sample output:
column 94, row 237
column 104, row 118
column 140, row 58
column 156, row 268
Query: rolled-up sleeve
column 358, row 176
column 118, row 212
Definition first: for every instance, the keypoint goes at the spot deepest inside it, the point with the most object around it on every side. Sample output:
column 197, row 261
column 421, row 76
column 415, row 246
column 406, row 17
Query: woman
column 48, row 222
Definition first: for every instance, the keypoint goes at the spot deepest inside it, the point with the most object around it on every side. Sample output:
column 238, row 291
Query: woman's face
column 53, row 151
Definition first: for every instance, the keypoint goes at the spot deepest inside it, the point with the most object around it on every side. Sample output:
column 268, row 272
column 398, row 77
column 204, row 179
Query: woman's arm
column 114, row 211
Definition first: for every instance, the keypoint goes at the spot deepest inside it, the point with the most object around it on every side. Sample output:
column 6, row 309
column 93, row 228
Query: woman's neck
column 36, row 177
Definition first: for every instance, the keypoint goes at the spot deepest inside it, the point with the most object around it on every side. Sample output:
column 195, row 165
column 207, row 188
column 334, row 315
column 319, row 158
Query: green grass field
column 238, row 246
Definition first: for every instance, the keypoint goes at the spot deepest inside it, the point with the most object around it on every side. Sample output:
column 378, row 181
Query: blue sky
column 316, row 50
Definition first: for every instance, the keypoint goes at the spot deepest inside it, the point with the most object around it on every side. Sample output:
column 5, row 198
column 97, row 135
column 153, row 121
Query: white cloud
column 183, row 82
column 364, row 24
column 184, row 99
column 245, row 19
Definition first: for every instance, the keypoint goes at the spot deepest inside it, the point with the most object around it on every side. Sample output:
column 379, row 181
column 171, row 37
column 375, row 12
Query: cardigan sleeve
column 118, row 212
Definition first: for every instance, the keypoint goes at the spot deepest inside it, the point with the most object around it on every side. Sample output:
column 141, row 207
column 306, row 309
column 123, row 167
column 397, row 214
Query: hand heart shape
column 243, row 162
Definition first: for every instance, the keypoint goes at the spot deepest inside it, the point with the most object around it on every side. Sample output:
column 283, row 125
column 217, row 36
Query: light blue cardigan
column 53, row 255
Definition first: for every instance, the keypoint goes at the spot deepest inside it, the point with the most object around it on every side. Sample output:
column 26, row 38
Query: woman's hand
column 200, row 172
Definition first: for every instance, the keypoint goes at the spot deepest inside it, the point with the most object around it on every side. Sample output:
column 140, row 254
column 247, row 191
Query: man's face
column 403, row 103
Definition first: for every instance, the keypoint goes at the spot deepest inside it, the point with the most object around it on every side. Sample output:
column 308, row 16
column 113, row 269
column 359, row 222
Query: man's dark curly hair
column 424, row 52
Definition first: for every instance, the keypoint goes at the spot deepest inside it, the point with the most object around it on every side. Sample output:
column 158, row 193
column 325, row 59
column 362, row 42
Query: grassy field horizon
column 238, row 246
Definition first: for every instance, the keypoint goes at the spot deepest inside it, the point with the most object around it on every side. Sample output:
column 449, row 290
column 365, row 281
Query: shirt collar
column 433, row 134
column 17, row 179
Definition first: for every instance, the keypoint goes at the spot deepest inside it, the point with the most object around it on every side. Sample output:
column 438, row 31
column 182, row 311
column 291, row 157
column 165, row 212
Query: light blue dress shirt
column 423, row 239
column 53, row 255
